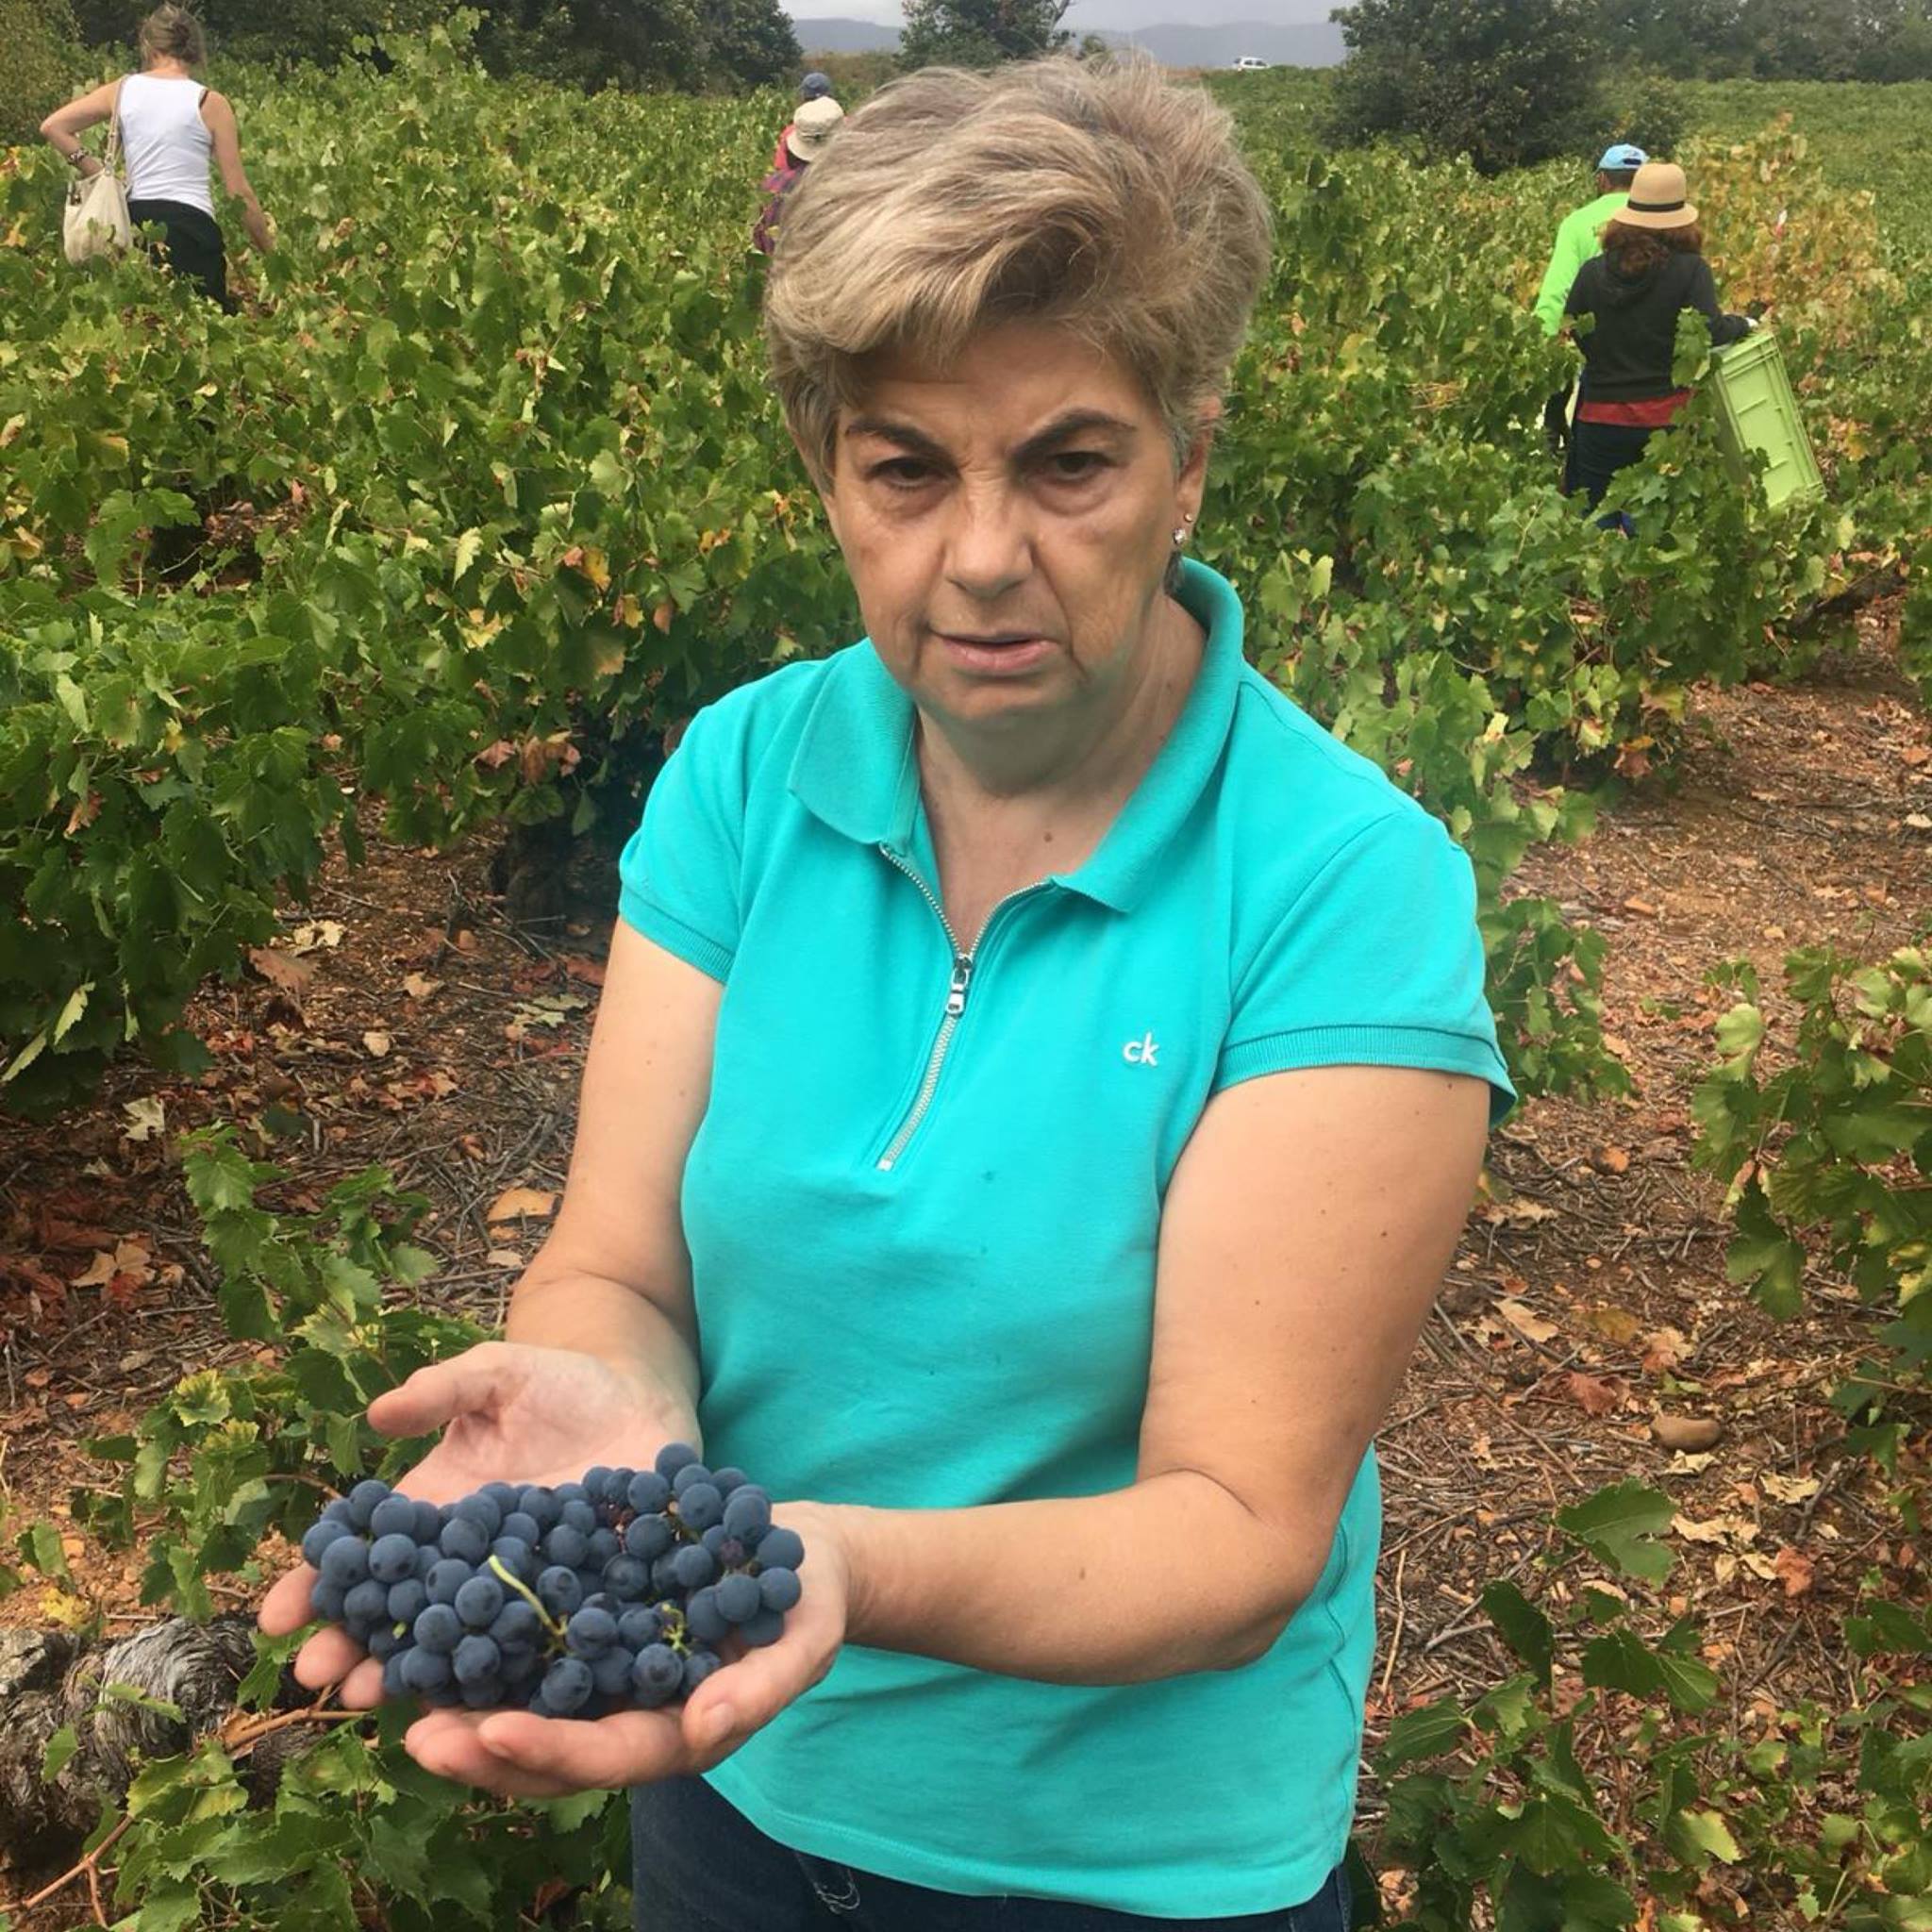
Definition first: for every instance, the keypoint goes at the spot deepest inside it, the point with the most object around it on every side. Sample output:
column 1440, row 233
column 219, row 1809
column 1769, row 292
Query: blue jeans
column 698, row 1866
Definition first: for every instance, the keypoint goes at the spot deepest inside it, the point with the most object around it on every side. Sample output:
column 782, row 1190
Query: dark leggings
column 191, row 245
column 1597, row 451
column 698, row 1866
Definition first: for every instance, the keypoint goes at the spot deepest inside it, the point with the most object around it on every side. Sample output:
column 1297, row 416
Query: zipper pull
column 956, row 993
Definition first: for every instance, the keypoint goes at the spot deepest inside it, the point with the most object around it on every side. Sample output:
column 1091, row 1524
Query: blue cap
column 815, row 85
column 1622, row 155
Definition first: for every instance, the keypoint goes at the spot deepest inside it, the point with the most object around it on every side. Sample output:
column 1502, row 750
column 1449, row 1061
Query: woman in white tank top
column 172, row 127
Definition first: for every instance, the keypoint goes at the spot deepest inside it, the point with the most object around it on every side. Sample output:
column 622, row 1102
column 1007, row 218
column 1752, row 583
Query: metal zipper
column 957, row 989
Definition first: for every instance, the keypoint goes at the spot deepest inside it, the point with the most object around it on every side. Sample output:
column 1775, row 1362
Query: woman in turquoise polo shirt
column 1040, row 1080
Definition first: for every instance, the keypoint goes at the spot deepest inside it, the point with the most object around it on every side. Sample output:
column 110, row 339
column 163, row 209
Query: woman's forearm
column 1170, row 1575
column 605, row 1318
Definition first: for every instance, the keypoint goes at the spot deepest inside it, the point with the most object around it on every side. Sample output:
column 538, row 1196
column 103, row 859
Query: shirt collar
column 856, row 768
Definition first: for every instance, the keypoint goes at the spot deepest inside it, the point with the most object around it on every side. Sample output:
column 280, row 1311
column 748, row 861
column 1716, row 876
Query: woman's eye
column 1074, row 465
column 904, row 473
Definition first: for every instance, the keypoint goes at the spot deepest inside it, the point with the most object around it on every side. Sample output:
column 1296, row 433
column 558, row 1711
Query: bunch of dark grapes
column 611, row 1594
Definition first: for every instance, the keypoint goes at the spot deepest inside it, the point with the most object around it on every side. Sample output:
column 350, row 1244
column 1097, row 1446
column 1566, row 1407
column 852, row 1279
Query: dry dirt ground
column 418, row 1028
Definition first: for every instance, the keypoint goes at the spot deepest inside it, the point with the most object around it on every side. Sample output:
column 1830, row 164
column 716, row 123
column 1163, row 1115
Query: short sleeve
column 680, row 870
column 1376, row 962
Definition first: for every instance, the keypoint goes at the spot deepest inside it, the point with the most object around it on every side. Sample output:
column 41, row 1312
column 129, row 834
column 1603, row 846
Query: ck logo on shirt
column 1144, row 1052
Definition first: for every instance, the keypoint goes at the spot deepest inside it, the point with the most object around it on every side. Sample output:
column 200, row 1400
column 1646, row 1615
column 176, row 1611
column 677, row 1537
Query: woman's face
column 1008, row 521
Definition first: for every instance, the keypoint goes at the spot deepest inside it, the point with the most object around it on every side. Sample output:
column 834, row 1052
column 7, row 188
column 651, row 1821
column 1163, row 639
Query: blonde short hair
column 1097, row 196
column 172, row 33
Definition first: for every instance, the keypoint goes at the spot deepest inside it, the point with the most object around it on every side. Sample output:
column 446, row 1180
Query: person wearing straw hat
column 1576, row 242
column 1651, row 269
column 814, row 86
column 804, row 141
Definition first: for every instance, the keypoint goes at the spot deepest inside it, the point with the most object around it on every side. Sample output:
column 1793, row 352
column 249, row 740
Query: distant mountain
column 1298, row 44
column 1287, row 44
column 839, row 34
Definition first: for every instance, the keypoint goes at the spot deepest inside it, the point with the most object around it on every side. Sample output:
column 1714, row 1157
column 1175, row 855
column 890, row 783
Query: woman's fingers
column 437, row 1395
column 520, row 1755
column 733, row 1703
column 285, row 1609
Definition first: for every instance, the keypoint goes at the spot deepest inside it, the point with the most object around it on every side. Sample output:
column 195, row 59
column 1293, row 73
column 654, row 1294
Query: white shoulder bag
column 97, row 220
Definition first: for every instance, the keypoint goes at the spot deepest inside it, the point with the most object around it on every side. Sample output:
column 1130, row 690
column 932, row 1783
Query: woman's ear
column 1192, row 481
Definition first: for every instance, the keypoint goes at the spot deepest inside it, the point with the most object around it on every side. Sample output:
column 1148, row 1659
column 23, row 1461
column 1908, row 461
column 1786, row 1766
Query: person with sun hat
column 812, row 127
column 1651, row 269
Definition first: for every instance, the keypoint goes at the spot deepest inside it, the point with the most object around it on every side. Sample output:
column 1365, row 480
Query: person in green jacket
column 1576, row 242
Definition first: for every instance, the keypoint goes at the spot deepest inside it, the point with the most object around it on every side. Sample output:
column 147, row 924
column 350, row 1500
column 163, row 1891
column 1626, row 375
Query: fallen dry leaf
column 377, row 1042
column 1794, row 1570
column 419, row 986
column 536, row 1203
column 1525, row 1320
column 1788, row 1489
column 1597, row 1394
column 1666, row 1349
column 503, row 1258
column 146, row 1117
column 282, row 970
column 1610, row 1161
column 1613, row 1324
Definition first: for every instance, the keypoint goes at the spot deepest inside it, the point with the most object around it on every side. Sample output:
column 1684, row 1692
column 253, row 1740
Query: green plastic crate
column 1757, row 410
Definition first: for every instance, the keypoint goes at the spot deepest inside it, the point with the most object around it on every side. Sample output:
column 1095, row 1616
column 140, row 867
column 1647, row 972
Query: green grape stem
column 511, row 1581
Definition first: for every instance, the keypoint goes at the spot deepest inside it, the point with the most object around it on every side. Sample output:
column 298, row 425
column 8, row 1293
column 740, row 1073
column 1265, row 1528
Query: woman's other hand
column 510, row 1412
column 519, row 1755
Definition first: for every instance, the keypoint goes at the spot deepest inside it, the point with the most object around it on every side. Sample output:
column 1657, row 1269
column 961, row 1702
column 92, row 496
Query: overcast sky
column 1124, row 15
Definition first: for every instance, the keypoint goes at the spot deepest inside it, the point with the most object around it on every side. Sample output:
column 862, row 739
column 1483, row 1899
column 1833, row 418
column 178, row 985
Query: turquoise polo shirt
column 923, row 1211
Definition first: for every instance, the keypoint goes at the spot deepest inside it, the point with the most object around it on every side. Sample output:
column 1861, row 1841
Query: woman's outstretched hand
column 519, row 1414
column 519, row 1755
column 508, row 1412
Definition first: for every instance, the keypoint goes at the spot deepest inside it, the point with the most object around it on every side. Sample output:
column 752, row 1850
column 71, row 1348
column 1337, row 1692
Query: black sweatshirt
column 1628, row 350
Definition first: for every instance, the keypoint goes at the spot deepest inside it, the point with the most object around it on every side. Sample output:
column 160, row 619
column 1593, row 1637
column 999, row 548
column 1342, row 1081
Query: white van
column 1251, row 64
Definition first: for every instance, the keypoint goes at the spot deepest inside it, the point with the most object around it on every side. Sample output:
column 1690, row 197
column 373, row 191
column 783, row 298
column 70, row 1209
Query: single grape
column 621, row 1480
column 322, row 1533
column 502, row 1494
column 439, row 1629
column 707, row 1621
column 766, row 1627
column 408, row 1600
column 368, row 1603
column 516, row 1556
column 362, row 1501
column 539, row 1505
column 446, row 1577
column 626, row 1578
column 569, row 1493
column 395, row 1684
column 523, row 1526
column 597, row 1483
column 465, row 1539
column 648, row 1493
column 690, row 1474
column 477, row 1658
column 747, row 1512
column 599, row 1598
column 580, row 1514
column 591, row 1631
column 727, row 1480
column 738, row 1596
column 656, row 1675
column 345, row 1562
column 566, row 1544
column 694, row 1566
column 327, row 1600
column 481, row 1511
column 485, row 1693
column 567, row 1685
column 649, row 1537
column 603, row 1544
column 639, row 1626
column 778, row 1589
column 781, row 1549
column 391, row 1557
column 424, row 1671
column 696, row 1668
column 478, row 1602
column 560, row 1591
column 610, row 1673
column 672, row 1456
column 700, row 1506
column 337, row 1511
column 394, row 1516
column 428, row 1557
column 517, row 1622
column 664, row 1576
column 383, row 1643
column 427, row 1525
